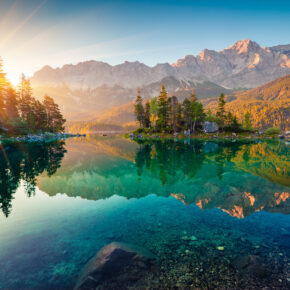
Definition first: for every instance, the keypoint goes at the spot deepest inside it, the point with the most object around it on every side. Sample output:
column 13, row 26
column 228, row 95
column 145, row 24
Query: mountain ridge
column 245, row 63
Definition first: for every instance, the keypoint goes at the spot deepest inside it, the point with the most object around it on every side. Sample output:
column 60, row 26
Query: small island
column 164, row 117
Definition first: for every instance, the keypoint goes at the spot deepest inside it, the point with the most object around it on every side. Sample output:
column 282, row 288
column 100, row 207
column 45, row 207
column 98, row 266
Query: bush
column 272, row 131
column 138, row 131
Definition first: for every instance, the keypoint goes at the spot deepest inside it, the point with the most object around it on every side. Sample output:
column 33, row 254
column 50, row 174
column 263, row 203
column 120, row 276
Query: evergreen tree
column 153, row 111
column 221, row 113
column 25, row 99
column 179, row 118
column 11, row 106
column 235, row 124
column 55, row 120
column 187, row 113
column 3, row 85
column 139, row 109
column 173, row 112
column 229, row 119
column 197, row 114
column 147, row 122
column 163, row 109
column 40, row 115
column 247, row 123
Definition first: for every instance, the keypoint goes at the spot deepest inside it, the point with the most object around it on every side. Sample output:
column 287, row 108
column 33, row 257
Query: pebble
column 193, row 238
column 220, row 248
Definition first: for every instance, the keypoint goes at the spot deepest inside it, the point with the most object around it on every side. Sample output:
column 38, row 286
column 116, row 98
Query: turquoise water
column 62, row 201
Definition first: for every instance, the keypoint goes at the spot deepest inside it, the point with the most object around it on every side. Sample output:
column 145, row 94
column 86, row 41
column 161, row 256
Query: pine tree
column 139, row 109
column 153, row 111
column 187, row 113
column 147, row 122
column 3, row 86
column 247, row 123
column 221, row 113
column 55, row 120
column 11, row 105
column 40, row 114
column 229, row 118
column 197, row 114
column 25, row 99
column 173, row 111
column 163, row 109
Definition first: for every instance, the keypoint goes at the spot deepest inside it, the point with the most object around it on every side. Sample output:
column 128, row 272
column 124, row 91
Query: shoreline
column 32, row 138
column 207, row 136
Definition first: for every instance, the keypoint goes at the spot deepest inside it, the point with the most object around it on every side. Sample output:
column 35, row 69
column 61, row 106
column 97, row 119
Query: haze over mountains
column 88, row 88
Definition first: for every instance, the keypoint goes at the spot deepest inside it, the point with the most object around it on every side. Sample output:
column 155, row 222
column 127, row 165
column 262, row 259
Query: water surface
column 62, row 201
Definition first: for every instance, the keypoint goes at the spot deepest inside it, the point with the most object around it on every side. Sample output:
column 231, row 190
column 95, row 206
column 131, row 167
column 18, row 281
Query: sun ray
column 20, row 25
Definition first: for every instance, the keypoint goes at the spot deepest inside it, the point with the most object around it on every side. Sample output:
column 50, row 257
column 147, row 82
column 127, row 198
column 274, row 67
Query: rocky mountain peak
column 244, row 64
column 244, row 46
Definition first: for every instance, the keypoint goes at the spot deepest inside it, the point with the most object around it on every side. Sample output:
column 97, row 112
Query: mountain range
column 88, row 89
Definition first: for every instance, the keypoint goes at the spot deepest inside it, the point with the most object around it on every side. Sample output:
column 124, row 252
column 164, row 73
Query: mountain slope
column 269, row 105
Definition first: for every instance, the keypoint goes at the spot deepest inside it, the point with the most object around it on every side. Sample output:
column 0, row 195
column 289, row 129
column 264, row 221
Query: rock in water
column 210, row 127
column 114, row 266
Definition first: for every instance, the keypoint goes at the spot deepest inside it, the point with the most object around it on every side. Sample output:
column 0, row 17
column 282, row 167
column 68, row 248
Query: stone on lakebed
column 115, row 264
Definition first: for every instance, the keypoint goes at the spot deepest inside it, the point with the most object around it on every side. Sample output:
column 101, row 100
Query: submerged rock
column 116, row 264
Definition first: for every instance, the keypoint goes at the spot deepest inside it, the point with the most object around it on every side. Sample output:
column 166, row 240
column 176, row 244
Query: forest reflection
column 238, row 176
column 23, row 163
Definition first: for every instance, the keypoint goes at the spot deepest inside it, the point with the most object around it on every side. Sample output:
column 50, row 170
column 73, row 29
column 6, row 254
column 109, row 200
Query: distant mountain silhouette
column 88, row 88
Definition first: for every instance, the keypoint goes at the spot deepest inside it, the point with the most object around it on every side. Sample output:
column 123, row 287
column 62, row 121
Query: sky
column 34, row 33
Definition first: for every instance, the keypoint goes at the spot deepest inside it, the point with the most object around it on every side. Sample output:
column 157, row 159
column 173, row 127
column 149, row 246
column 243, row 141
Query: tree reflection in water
column 24, row 162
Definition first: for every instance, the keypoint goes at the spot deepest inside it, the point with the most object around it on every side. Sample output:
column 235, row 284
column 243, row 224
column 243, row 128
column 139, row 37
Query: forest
column 21, row 113
column 165, row 114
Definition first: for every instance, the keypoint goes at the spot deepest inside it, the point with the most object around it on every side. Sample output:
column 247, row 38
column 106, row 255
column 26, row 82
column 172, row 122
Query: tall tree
column 25, row 98
column 221, row 113
column 173, row 112
column 11, row 106
column 197, row 114
column 55, row 120
column 163, row 110
column 153, row 111
column 247, row 121
column 147, row 122
column 3, row 85
column 40, row 115
column 186, row 110
column 139, row 109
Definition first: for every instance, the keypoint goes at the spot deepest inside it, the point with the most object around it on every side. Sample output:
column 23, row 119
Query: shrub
column 272, row 131
column 138, row 131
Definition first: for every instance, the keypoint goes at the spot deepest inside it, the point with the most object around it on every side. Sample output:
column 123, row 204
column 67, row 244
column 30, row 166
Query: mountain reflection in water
column 239, row 177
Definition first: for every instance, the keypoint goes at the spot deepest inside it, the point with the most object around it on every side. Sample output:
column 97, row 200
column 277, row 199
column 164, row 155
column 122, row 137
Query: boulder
column 116, row 264
column 210, row 127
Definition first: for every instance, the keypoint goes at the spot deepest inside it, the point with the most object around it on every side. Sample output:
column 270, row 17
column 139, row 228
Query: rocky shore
column 31, row 138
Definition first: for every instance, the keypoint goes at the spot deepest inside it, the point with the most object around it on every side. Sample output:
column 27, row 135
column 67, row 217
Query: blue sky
column 34, row 33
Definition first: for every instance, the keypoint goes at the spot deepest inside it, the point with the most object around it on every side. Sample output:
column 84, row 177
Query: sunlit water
column 61, row 202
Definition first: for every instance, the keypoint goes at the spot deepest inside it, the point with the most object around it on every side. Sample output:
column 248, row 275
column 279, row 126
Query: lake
column 202, row 207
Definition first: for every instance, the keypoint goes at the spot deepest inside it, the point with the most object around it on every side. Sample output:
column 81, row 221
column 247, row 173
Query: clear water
column 61, row 202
